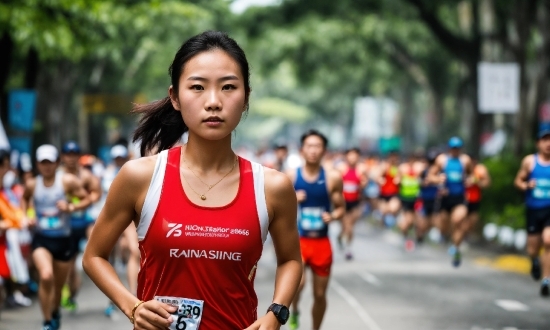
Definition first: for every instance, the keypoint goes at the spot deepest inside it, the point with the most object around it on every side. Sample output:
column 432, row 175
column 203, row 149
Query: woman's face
column 211, row 96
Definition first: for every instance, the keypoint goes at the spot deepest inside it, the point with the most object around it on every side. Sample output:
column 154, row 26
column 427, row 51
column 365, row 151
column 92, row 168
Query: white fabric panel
column 153, row 195
column 261, row 205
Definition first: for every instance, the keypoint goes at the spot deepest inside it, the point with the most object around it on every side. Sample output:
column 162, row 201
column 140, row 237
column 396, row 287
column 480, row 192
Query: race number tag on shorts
column 311, row 218
column 189, row 313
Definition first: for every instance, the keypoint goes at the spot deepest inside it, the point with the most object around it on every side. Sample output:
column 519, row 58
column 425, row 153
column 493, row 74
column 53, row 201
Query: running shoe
column 65, row 296
column 21, row 300
column 48, row 326
column 349, row 256
column 457, row 258
column 409, row 245
column 544, row 287
column 71, row 305
column 109, row 310
column 56, row 320
column 535, row 269
column 293, row 321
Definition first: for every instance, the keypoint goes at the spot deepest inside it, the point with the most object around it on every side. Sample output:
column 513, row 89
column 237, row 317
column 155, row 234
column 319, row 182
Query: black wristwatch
column 281, row 312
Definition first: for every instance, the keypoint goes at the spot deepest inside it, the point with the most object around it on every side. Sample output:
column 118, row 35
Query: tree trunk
column 7, row 46
column 32, row 64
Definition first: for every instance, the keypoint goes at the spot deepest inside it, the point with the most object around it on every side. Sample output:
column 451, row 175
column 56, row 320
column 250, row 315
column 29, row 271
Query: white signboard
column 498, row 87
column 375, row 118
column 4, row 143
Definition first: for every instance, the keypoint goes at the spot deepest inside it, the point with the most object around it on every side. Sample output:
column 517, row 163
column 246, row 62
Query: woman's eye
column 197, row 87
column 228, row 87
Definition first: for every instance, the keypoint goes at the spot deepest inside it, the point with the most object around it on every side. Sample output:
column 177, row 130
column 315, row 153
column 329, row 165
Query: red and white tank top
column 352, row 185
column 202, row 258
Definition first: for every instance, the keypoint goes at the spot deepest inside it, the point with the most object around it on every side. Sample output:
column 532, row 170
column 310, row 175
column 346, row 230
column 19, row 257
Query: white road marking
column 512, row 305
column 348, row 297
column 369, row 278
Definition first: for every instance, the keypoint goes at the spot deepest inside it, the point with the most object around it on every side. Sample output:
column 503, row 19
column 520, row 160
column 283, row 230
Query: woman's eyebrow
column 225, row 78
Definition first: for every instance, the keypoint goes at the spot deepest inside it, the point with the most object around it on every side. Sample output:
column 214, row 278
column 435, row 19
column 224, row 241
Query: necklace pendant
column 203, row 197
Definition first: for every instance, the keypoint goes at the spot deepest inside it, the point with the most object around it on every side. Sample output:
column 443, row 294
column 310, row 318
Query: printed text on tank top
column 310, row 211
column 213, row 250
column 352, row 185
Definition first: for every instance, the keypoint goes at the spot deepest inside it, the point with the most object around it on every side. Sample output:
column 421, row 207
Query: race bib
column 454, row 176
column 189, row 313
column 48, row 223
column 311, row 218
column 350, row 187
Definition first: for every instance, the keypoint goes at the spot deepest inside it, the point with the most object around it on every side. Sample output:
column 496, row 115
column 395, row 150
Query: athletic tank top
column 473, row 192
column 539, row 197
column 428, row 192
column 410, row 185
column 202, row 259
column 389, row 188
column 50, row 221
column 454, row 171
column 352, row 185
column 310, row 211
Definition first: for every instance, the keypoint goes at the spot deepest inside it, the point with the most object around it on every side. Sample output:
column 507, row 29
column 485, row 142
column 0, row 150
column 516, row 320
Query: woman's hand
column 266, row 322
column 153, row 314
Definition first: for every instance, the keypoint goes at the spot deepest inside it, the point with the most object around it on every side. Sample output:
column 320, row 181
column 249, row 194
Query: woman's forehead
column 212, row 65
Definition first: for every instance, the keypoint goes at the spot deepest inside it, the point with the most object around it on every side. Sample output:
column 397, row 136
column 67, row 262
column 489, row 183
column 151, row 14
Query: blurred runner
column 320, row 201
column 429, row 195
column 409, row 189
column 371, row 191
column 456, row 167
column 388, row 203
column 81, row 223
column 52, row 241
column 127, row 247
column 533, row 178
column 354, row 179
column 281, row 155
column 479, row 180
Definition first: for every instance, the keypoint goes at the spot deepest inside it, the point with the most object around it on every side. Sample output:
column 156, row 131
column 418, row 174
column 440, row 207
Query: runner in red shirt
column 389, row 203
column 202, row 213
column 354, row 180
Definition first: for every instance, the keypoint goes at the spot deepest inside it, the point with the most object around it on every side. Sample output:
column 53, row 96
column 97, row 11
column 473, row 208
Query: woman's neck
column 208, row 155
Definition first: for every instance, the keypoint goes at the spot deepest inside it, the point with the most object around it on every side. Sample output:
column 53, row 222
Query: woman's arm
column 125, row 196
column 282, row 209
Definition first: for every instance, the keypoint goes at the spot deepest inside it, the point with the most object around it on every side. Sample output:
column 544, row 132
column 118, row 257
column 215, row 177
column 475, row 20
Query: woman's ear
column 173, row 97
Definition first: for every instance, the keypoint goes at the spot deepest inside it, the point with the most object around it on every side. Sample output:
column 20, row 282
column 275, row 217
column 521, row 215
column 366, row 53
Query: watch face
column 284, row 314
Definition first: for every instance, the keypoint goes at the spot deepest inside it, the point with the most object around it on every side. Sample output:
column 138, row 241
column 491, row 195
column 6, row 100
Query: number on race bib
column 180, row 323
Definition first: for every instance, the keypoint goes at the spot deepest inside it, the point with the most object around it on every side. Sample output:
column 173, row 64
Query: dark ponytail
column 161, row 126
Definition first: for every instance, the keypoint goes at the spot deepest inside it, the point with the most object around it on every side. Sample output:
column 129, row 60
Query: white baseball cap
column 46, row 152
column 119, row 151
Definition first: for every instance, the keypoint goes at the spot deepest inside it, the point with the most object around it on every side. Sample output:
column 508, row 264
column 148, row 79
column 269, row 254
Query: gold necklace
column 210, row 186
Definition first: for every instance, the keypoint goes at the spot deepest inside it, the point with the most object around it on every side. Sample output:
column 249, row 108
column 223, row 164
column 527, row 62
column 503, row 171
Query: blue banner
column 21, row 144
column 21, row 106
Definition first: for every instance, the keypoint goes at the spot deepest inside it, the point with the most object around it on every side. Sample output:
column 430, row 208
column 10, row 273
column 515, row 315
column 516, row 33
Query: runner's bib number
column 48, row 223
column 311, row 218
column 189, row 313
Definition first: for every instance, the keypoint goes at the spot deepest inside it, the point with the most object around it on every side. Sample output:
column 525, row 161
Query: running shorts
column 317, row 254
column 473, row 207
column 407, row 205
column 4, row 267
column 448, row 203
column 59, row 247
column 351, row 205
column 428, row 206
column 77, row 235
column 537, row 220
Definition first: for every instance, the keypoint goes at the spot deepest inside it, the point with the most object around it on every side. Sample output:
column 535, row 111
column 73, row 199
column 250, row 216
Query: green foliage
column 502, row 203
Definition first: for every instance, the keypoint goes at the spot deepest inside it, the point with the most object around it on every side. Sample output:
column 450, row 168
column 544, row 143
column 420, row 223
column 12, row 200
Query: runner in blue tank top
column 429, row 194
column 533, row 178
column 451, row 170
column 52, row 243
column 320, row 198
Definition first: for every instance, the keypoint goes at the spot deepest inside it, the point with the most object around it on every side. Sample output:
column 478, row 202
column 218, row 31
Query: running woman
column 202, row 213
column 533, row 178
column 455, row 167
column 354, row 180
column 320, row 198
column 409, row 189
column 51, row 255
column 479, row 180
column 81, row 223
column 429, row 195
column 388, row 180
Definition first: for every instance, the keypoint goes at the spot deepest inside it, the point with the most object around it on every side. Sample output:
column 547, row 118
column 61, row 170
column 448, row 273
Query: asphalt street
column 383, row 288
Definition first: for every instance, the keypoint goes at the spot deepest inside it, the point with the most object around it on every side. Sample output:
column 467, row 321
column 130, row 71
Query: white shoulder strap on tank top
column 259, row 192
column 153, row 195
